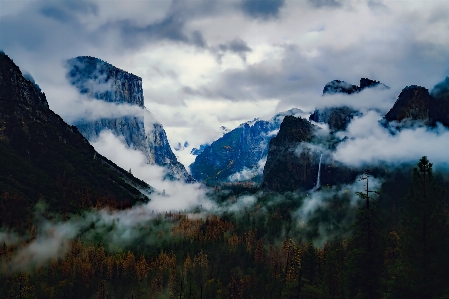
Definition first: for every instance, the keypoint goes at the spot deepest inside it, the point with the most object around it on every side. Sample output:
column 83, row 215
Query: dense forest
column 393, row 243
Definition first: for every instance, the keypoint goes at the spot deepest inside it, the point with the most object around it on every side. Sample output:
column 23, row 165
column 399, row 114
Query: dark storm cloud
column 48, row 27
column 198, row 39
column 237, row 46
column 294, row 76
column 262, row 9
column 59, row 24
column 65, row 11
column 170, row 28
column 266, row 79
column 325, row 3
column 376, row 5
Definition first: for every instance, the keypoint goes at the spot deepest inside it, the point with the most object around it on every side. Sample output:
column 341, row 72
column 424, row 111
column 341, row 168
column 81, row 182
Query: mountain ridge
column 239, row 153
column 339, row 117
column 44, row 158
column 103, row 81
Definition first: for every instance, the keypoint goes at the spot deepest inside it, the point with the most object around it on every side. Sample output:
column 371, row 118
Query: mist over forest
column 231, row 149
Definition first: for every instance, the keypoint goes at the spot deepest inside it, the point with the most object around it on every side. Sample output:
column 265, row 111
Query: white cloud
column 292, row 56
column 369, row 143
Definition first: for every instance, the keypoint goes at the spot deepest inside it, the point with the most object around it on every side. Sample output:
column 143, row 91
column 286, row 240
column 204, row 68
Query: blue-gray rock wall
column 102, row 81
column 242, row 150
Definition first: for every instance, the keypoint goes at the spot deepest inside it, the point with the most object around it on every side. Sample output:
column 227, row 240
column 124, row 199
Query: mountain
column 239, row 155
column 102, row 81
column 299, row 154
column 297, row 157
column 42, row 157
column 415, row 103
column 338, row 118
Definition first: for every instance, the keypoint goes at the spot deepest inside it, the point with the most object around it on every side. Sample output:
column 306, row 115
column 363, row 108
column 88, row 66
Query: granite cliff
column 44, row 158
column 102, row 81
column 338, row 118
column 298, row 159
column 239, row 155
column 415, row 103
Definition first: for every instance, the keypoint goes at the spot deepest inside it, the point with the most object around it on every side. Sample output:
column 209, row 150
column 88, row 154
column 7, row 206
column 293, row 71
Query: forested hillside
column 386, row 249
column 42, row 157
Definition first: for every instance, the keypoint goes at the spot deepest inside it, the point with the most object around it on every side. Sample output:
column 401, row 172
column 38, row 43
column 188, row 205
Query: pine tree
column 424, row 238
column 366, row 254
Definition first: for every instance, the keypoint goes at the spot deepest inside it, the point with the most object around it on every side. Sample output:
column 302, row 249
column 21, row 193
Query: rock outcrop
column 294, row 157
column 239, row 155
column 103, row 81
column 415, row 103
column 44, row 158
column 338, row 118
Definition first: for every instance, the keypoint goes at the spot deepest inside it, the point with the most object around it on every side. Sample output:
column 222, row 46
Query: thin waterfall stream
column 318, row 183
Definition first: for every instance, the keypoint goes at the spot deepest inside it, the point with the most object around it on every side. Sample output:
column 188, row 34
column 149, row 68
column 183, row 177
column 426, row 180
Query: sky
column 211, row 63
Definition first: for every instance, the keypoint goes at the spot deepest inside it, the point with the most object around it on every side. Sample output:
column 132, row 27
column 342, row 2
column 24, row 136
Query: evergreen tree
column 366, row 252
column 424, row 238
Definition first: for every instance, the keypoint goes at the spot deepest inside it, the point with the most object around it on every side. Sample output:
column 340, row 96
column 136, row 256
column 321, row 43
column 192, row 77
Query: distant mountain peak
column 240, row 153
column 338, row 118
column 33, row 94
column 42, row 157
column 103, row 81
column 338, row 86
column 441, row 89
column 296, row 157
column 366, row 83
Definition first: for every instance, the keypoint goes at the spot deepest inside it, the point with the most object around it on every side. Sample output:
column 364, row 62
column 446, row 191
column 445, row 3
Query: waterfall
column 318, row 176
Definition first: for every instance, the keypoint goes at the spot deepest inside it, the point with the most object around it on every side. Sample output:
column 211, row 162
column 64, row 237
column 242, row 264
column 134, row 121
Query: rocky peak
column 439, row 111
column 441, row 90
column 293, row 129
column 15, row 84
column 240, row 153
column 294, row 157
column 367, row 83
column 337, row 86
column 338, row 118
column 41, row 156
column 413, row 103
column 103, row 81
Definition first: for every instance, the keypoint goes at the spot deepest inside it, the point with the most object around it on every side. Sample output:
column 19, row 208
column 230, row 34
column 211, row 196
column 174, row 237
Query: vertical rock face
column 337, row 86
column 415, row 103
column 42, row 157
column 293, row 164
column 102, row 81
column 440, row 111
column 338, row 118
column 284, row 169
column 240, row 154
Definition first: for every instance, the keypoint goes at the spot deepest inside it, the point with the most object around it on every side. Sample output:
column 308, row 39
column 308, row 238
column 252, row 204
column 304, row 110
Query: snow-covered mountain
column 140, row 130
column 240, row 154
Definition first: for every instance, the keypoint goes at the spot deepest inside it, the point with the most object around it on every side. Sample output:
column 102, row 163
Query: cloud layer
column 370, row 143
column 275, row 54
